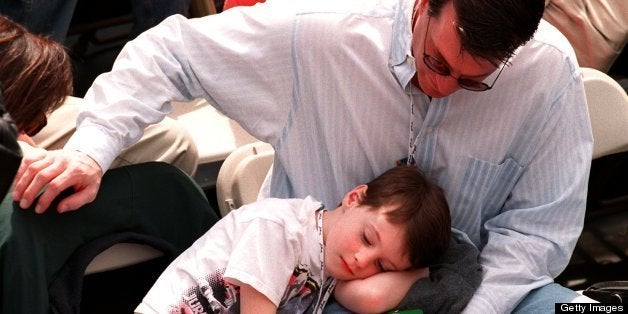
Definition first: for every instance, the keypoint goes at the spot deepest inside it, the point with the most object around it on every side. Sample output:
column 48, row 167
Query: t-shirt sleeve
column 264, row 258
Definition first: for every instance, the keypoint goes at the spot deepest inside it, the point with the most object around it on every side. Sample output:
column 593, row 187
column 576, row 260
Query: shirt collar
column 401, row 59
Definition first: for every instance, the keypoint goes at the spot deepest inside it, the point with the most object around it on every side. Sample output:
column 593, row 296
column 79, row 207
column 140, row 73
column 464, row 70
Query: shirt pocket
column 484, row 190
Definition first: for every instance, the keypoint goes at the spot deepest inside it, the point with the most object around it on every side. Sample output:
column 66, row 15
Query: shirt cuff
column 97, row 144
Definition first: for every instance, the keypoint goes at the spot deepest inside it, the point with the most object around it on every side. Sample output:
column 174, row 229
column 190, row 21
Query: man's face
column 362, row 243
column 441, row 41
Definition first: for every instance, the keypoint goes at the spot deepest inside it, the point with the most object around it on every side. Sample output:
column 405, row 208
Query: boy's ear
column 355, row 196
column 422, row 6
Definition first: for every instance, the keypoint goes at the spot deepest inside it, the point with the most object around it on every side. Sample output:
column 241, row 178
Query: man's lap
column 540, row 300
column 543, row 299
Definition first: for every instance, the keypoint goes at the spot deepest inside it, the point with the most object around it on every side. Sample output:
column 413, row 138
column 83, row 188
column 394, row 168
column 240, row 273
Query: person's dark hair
column 36, row 74
column 493, row 29
column 420, row 206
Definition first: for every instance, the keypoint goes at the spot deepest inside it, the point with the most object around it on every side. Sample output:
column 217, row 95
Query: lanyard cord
column 329, row 284
column 411, row 138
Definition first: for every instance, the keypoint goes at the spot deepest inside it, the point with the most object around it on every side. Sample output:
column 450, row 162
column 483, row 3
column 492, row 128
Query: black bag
column 10, row 153
column 608, row 292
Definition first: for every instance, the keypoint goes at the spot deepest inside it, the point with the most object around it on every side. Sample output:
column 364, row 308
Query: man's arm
column 228, row 60
column 378, row 293
column 532, row 238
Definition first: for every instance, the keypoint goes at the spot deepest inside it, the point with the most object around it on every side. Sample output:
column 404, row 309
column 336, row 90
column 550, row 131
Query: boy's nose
column 364, row 258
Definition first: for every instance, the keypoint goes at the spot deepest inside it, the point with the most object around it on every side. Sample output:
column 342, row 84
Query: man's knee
column 543, row 299
column 168, row 141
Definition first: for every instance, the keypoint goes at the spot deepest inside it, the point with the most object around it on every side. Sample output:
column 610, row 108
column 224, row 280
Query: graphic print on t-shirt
column 302, row 288
column 211, row 295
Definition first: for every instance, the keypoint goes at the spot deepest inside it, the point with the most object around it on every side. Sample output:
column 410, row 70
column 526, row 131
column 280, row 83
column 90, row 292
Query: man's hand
column 56, row 171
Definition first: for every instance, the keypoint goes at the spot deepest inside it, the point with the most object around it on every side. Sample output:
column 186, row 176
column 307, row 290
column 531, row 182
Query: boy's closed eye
column 370, row 241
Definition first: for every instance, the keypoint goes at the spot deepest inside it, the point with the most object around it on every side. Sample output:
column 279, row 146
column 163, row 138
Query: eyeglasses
column 33, row 130
column 440, row 68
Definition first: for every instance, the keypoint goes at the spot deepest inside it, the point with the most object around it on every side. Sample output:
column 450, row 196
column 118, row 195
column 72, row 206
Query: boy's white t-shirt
column 272, row 245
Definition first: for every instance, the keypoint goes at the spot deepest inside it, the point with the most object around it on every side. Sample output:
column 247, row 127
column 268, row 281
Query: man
column 344, row 90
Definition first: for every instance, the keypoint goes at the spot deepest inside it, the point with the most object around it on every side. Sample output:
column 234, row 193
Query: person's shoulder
column 285, row 203
column 359, row 7
column 280, row 209
column 547, row 52
column 549, row 34
column 261, row 205
column 550, row 38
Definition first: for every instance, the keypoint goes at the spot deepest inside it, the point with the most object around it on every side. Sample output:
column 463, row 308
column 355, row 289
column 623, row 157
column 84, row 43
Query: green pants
column 153, row 199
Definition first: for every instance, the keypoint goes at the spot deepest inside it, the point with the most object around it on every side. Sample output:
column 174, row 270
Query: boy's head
column 398, row 221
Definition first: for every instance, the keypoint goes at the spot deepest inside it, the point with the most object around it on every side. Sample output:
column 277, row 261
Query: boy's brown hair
column 36, row 75
column 421, row 207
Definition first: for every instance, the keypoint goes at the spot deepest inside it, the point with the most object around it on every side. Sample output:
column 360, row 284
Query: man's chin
column 428, row 88
column 429, row 91
column 433, row 94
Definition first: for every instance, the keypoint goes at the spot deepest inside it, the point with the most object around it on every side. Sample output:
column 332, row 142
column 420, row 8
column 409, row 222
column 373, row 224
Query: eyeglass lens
column 441, row 68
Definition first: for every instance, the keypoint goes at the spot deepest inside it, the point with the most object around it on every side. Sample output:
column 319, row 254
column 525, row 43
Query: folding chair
column 122, row 255
column 242, row 174
column 608, row 111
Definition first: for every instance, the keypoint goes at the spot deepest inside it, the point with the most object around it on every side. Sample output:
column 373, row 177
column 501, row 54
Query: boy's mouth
column 346, row 266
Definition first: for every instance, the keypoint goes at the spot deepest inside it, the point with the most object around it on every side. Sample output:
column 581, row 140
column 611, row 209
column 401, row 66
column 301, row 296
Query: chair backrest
column 122, row 255
column 242, row 174
column 608, row 111
column 601, row 249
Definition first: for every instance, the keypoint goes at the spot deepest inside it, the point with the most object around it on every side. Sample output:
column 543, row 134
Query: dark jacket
column 10, row 153
column 451, row 283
